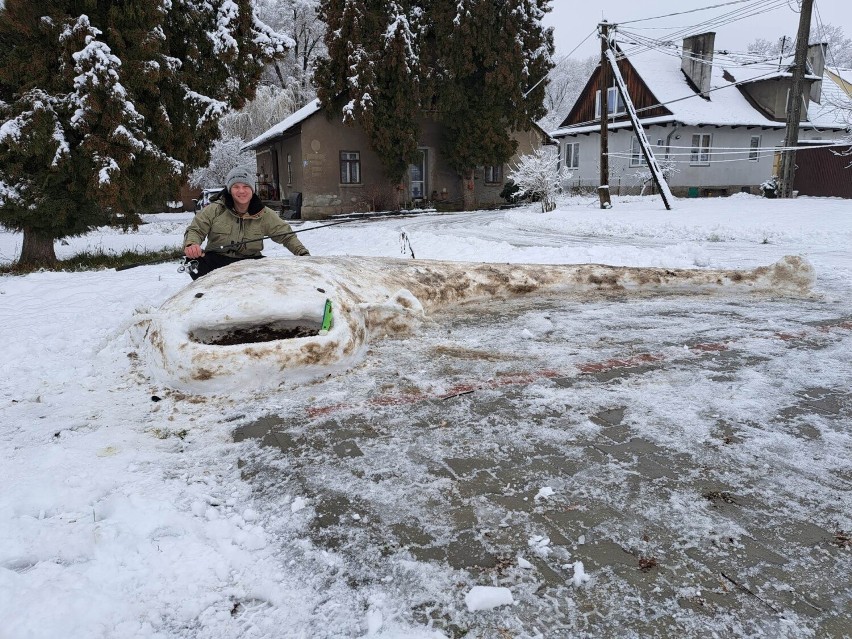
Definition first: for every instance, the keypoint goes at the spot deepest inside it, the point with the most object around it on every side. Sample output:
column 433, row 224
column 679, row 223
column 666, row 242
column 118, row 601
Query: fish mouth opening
column 235, row 334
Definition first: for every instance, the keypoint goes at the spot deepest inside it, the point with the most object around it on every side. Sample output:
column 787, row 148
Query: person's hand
column 193, row 251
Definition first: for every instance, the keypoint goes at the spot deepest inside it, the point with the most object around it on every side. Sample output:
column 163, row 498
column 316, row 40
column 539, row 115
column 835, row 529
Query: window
column 494, row 174
column 700, row 154
column 289, row 169
column 572, row 155
column 614, row 103
column 637, row 158
column 754, row 148
column 350, row 167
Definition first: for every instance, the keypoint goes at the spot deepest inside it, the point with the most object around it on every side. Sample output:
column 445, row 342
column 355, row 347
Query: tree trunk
column 280, row 75
column 468, row 193
column 37, row 251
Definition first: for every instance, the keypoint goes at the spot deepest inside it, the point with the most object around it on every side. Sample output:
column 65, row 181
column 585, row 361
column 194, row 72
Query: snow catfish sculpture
column 257, row 323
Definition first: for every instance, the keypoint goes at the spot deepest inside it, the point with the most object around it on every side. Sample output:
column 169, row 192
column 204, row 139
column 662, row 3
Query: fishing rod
column 224, row 248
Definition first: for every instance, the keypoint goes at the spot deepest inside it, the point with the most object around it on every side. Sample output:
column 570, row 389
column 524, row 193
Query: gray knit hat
column 240, row 174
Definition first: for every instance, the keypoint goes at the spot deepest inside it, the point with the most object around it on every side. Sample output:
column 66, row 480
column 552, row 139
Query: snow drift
column 257, row 323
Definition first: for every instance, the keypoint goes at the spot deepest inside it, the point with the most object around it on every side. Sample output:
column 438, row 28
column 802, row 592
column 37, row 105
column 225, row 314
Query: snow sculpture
column 256, row 323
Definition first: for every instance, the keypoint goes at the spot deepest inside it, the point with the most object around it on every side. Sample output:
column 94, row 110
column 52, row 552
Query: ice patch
column 487, row 597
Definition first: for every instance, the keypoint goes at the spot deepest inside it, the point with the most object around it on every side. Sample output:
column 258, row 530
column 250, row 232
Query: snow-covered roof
column 285, row 125
column 727, row 106
column 841, row 77
column 836, row 105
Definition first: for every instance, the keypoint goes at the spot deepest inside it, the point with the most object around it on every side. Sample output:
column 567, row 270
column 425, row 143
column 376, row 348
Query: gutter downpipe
column 669, row 139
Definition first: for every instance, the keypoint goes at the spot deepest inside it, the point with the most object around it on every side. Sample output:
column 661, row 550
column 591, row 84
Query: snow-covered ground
column 127, row 511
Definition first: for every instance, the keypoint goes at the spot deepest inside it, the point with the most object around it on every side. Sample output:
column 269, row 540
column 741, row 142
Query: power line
column 562, row 60
column 629, row 155
column 759, row 7
column 670, row 49
column 680, row 13
column 686, row 97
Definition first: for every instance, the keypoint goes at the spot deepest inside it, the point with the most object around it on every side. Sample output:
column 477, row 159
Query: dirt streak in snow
column 375, row 297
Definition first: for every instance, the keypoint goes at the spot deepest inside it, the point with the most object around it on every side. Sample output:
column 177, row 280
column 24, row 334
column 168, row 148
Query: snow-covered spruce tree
column 105, row 107
column 539, row 176
column 371, row 74
column 492, row 60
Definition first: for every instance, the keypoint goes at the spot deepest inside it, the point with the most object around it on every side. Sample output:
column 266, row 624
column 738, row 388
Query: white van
column 206, row 194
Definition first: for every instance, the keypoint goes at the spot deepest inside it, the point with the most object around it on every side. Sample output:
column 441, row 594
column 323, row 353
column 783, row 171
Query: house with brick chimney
column 714, row 121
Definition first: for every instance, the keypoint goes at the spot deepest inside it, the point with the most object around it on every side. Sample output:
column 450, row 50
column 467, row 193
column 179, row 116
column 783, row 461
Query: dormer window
column 614, row 103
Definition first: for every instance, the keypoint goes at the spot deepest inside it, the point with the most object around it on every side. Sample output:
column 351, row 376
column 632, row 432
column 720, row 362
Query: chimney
column 816, row 62
column 697, row 61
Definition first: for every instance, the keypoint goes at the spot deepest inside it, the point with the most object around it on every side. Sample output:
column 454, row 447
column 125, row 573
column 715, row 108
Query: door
column 417, row 176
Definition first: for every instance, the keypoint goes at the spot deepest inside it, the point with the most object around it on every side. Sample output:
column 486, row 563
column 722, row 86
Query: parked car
column 206, row 195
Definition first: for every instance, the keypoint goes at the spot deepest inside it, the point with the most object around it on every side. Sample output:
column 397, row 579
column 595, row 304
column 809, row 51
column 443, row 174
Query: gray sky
column 573, row 20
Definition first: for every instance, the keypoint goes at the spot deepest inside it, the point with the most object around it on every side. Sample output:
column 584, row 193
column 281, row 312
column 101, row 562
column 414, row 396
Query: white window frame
column 701, row 149
column 754, row 149
column 614, row 102
column 289, row 169
column 637, row 158
column 572, row 155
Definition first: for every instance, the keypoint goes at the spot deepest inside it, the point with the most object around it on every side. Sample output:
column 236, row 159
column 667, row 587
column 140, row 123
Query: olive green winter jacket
column 221, row 225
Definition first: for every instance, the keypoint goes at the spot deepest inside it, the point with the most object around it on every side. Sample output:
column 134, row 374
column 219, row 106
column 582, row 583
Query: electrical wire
column 662, row 47
column 591, row 33
column 681, row 99
column 758, row 7
column 629, row 155
column 821, row 28
column 728, row 61
column 765, row 151
column 680, row 13
column 561, row 61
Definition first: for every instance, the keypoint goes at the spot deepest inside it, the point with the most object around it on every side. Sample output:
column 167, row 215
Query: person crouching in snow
column 235, row 216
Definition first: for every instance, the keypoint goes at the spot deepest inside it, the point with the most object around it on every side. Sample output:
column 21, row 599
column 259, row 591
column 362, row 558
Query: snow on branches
column 539, row 176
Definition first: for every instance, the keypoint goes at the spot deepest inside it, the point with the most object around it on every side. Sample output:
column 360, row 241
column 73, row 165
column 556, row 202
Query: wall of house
column 488, row 193
column 771, row 95
column 729, row 171
column 315, row 148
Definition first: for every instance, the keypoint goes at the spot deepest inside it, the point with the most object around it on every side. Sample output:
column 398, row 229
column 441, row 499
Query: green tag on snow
column 326, row 318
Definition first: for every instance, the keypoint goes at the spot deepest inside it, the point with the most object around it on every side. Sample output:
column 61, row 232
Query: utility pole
column 644, row 144
column 794, row 105
column 603, row 189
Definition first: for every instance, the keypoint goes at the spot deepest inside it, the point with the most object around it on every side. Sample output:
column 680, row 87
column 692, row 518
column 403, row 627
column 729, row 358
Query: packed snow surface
column 129, row 511
column 249, row 325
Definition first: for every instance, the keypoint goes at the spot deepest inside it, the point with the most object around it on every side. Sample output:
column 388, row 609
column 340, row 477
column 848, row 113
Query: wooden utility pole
column 794, row 104
column 603, row 189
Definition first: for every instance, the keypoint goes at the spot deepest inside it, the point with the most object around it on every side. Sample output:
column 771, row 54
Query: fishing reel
column 187, row 264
